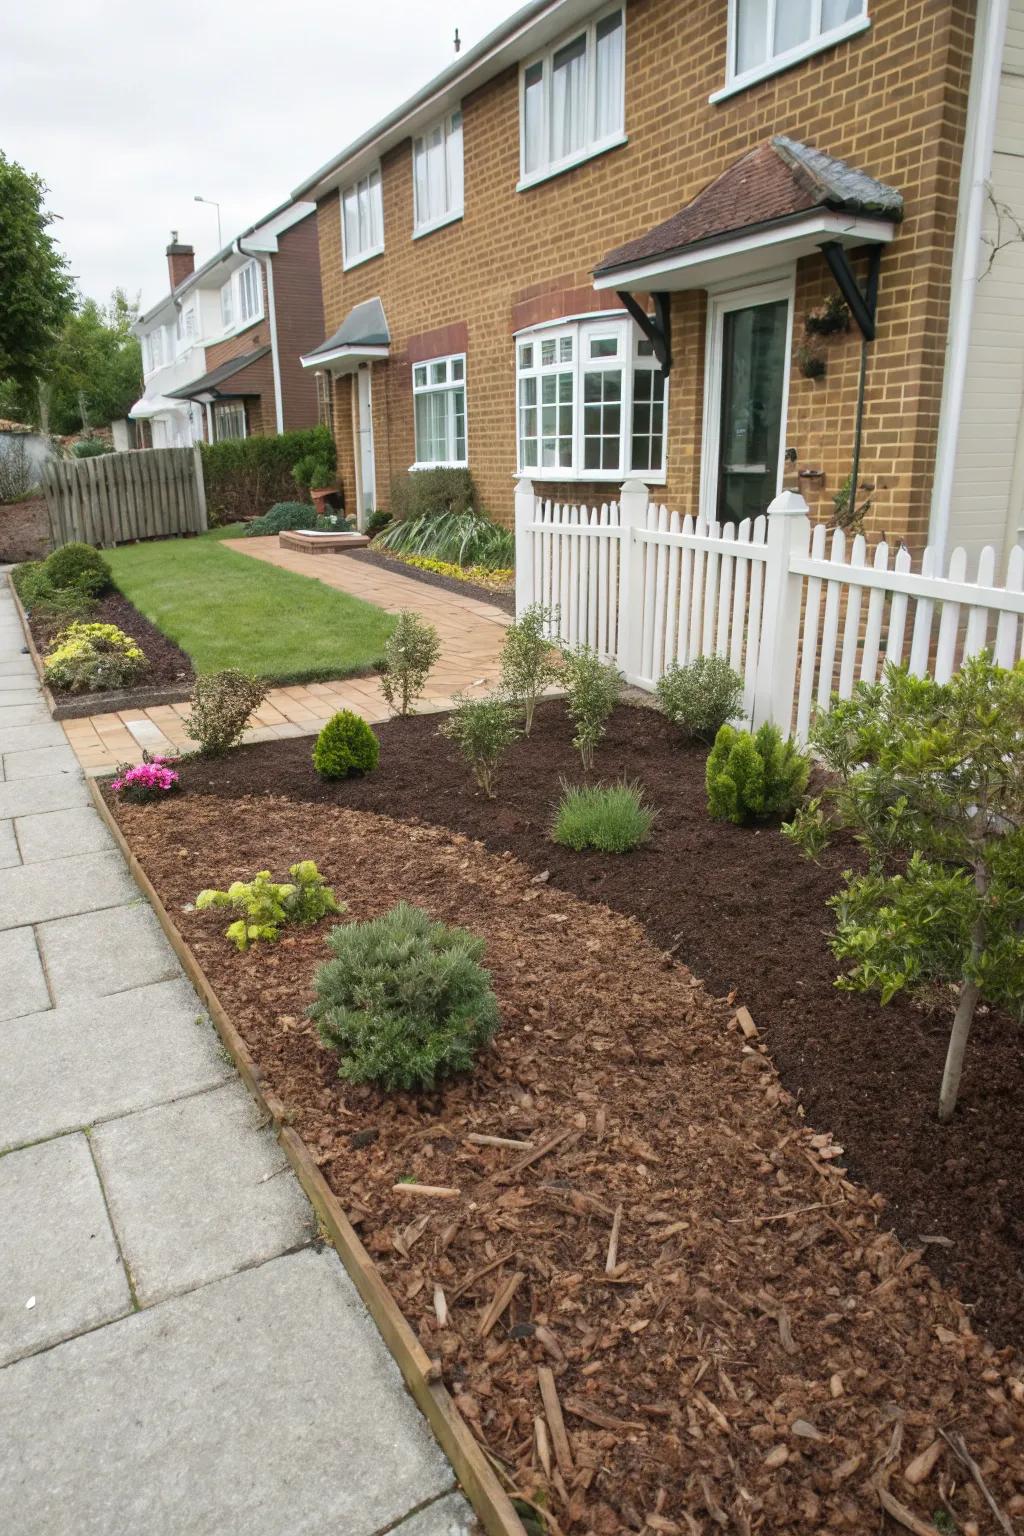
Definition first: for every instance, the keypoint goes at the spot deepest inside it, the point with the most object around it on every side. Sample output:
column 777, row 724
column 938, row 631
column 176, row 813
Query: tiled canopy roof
column 210, row 382
column 778, row 181
column 364, row 326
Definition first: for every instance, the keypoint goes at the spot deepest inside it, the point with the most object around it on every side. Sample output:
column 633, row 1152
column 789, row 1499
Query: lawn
column 227, row 610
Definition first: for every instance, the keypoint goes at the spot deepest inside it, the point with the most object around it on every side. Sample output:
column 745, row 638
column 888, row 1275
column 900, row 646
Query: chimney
column 181, row 260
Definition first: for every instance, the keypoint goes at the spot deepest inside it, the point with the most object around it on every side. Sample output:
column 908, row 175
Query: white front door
column 364, row 428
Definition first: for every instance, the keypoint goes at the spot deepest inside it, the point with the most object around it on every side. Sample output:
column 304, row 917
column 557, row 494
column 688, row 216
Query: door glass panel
column 753, row 373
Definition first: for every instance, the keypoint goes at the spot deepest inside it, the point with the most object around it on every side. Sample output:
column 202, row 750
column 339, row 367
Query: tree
column 36, row 290
column 95, row 371
column 931, row 778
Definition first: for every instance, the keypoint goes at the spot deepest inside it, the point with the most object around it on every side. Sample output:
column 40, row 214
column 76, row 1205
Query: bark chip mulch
column 669, row 1310
column 168, row 667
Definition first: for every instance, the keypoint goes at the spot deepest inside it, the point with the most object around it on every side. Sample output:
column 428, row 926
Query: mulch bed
column 506, row 601
column 24, row 531
column 747, row 913
column 169, row 674
column 757, row 1355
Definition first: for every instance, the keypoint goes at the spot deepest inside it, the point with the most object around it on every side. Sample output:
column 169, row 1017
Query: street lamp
column 220, row 238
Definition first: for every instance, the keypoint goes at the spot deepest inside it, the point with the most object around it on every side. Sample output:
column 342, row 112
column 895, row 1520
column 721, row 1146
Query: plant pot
column 325, row 498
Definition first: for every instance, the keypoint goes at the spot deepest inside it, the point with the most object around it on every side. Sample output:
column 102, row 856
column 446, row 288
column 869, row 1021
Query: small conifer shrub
column 753, row 775
column 345, row 746
column 267, row 906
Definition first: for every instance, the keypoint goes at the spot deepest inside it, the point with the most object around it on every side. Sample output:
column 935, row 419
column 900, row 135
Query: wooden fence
column 798, row 613
column 151, row 493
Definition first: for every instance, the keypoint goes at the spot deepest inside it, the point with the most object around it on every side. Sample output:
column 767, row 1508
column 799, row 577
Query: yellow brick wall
column 892, row 101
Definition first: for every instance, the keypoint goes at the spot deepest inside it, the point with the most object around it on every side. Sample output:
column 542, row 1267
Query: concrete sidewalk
column 177, row 1355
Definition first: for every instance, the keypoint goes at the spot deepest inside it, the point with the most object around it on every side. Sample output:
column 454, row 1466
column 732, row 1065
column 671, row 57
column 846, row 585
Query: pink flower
column 147, row 780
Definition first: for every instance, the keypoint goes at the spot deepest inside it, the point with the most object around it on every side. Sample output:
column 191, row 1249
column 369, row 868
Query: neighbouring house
column 220, row 353
column 725, row 247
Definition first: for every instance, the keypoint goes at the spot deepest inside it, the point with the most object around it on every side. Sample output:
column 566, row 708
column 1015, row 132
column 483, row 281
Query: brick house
column 221, row 351
column 589, row 249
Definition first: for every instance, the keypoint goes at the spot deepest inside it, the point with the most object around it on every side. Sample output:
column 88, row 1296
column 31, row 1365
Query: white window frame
column 449, row 388
column 454, row 196
column 781, row 286
column 775, row 63
column 584, row 329
column 223, row 407
column 374, row 182
column 253, row 270
column 227, row 311
column 594, row 145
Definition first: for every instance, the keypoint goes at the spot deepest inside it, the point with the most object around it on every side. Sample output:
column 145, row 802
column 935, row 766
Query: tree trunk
column 969, row 994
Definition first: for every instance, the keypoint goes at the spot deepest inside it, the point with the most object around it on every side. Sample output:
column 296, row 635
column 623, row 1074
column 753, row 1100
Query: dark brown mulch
column 169, row 670
column 755, row 1356
column 747, row 913
column 24, row 531
column 506, row 601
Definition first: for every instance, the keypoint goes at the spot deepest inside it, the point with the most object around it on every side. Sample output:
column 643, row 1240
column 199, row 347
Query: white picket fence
column 800, row 613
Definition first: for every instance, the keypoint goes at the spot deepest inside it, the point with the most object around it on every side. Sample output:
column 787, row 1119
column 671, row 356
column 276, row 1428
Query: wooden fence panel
column 115, row 498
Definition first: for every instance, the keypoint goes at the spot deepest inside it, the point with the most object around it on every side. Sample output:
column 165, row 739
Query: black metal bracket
column 657, row 327
column 863, row 302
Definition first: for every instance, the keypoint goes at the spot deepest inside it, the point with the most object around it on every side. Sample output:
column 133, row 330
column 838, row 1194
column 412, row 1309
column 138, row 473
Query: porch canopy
column 781, row 201
column 149, row 406
column 361, row 337
column 227, row 382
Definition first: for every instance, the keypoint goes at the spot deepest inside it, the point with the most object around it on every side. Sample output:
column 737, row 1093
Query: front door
column 748, row 361
column 364, row 447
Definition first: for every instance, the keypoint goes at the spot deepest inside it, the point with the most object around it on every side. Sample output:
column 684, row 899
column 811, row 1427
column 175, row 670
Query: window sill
column 787, row 60
column 428, row 229
column 592, row 477
column 536, row 177
column 357, row 261
column 439, row 464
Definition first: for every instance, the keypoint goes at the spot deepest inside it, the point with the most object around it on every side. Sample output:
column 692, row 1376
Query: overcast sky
column 128, row 110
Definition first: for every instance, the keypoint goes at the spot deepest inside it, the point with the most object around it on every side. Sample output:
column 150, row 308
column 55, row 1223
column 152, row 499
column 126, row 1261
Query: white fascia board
column 342, row 356
column 744, row 253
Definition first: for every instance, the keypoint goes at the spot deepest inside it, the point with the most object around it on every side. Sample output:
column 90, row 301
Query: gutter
column 265, row 261
column 983, row 101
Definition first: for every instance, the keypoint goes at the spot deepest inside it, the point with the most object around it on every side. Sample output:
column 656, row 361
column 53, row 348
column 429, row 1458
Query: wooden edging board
column 422, row 1375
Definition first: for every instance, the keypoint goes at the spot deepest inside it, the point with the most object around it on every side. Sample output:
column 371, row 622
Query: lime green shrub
column 751, row 776
column 613, row 818
column 592, row 688
column 529, row 662
column 79, row 565
column 405, row 1001
column 221, row 705
column 411, row 650
column 90, row 658
column 345, row 746
column 267, row 907
column 483, row 730
column 701, row 697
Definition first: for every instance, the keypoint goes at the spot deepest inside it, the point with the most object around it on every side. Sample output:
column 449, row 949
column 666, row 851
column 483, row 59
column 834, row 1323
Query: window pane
column 438, row 372
column 609, row 113
column 604, row 346
column 533, row 118
column 565, row 349
column 435, row 173
column 792, row 24
column 454, row 163
column 526, row 356
column 547, row 352
column 376, row 211
column 419, row 167
column 835, row 12
column 351, row 223
column 648, row 419
column 458, row 368
column 458, row 399
column 569, row 99
column 602, row 425
column 751, row 33
column 419, row 376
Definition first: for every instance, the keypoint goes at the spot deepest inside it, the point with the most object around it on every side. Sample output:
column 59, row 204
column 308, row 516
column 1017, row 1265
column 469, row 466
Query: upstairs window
column 185, row 326
column 362, row 219
column 572, row 99
column 227, row 305
column 437, row 174
column 250, row 294
column 439, row 396
column 768, row 35
column 591, row 402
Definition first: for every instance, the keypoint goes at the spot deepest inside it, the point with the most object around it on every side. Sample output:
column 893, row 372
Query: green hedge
column 245, row 477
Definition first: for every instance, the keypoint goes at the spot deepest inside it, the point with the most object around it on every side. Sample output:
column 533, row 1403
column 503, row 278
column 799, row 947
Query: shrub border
column 422, row 1374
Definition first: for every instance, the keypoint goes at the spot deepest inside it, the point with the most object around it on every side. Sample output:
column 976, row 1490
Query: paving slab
column 24, row 714
column 18, row 690
column 10, row 854
column 213, row 1169
column 17, row 666
column 98, row 953
column 23, row 988
column 28, row 797
column 60, row 834
column 89, row 1061
column 219, row 1414
column 450, row 1516
column 40, row 762
column 34, row 893
column 20, row 738
column 62, row 1272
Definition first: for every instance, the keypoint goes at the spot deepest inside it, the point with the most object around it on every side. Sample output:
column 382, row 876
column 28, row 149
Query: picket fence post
column 634, row 499
column 789, row 534
column 525, row 515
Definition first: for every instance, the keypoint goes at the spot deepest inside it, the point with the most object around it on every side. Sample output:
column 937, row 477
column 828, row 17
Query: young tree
column 529, row 662
column 933, row 774
column 36, row 290
column 412, row 649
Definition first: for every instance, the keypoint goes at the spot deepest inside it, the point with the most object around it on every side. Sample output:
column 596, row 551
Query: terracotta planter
column 321, row 498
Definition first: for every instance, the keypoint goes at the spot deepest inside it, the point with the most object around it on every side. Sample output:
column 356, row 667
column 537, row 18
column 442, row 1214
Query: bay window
column 437, row 174
column 590, row 402
column 439, row 406
column 362, row 219
column 768, row 35
column 572, row 98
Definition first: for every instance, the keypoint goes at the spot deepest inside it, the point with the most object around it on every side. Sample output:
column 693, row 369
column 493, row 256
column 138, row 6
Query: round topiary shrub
column 79, row 565
column 345, row 746
column 405, row 1000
